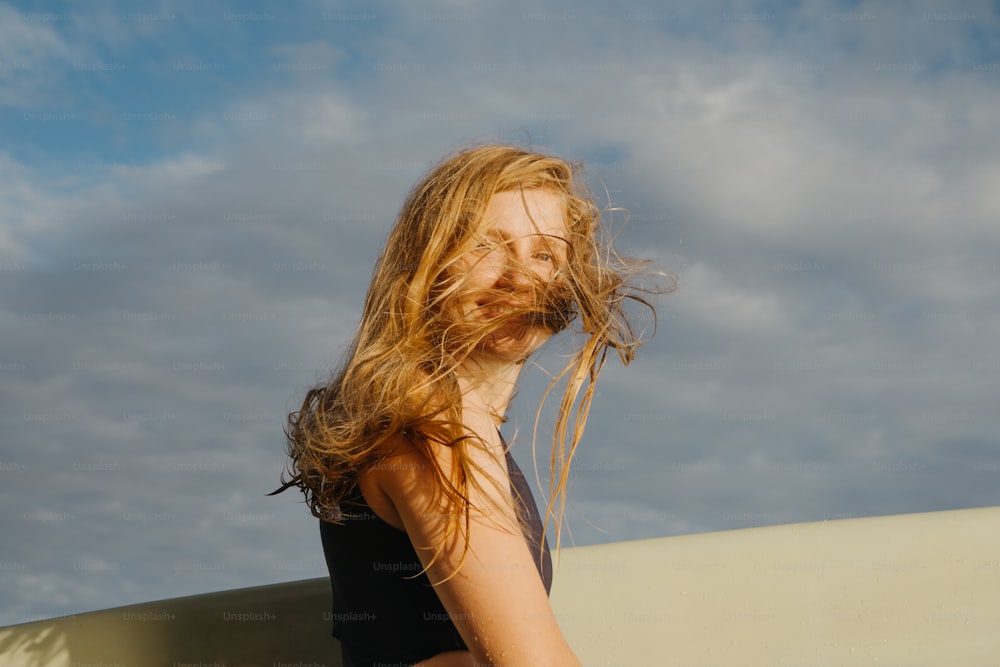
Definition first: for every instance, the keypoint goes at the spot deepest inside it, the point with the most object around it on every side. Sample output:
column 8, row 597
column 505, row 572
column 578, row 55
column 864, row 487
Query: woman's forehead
column 534, row 212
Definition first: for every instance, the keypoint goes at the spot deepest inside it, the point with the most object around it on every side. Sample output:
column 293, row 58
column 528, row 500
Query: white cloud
column 30, row 51
column 710, row 301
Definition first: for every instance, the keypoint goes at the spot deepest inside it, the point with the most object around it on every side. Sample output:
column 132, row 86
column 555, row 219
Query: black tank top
column 384, row 612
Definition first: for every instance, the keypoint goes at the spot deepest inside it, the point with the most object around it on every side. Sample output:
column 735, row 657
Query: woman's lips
column 494, row 309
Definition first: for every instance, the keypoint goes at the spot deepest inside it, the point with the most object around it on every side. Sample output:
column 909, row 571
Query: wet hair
column 397, row 377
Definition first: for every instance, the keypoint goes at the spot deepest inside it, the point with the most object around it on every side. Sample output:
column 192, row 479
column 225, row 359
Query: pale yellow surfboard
column 913, row 589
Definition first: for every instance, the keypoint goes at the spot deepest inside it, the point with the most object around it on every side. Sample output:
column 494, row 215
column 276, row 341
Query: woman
column 436, row 550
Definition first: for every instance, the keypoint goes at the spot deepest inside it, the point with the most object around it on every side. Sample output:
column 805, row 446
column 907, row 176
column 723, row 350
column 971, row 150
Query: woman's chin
column 514, row 344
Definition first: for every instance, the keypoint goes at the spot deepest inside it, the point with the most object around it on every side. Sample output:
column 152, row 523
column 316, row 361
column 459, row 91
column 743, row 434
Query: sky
column 192, row 197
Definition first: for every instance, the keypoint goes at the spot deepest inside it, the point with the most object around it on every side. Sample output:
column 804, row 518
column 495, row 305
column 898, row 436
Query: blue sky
column 191, row 201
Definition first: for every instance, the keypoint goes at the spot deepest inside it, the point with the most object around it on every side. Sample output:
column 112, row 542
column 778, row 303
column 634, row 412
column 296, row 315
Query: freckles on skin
column 522, row 239
column 522, row 232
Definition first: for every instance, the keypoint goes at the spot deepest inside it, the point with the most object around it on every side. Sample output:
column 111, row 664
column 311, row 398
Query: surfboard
column 912, row 589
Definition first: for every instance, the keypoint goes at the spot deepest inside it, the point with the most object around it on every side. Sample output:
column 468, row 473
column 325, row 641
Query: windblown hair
column 398, row 376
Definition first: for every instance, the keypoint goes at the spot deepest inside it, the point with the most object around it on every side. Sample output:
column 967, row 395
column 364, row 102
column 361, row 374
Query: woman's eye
column 544, row 257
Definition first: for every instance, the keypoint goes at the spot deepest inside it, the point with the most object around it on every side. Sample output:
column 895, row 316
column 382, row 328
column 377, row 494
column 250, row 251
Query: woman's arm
column 496, row 599
column 449, row 659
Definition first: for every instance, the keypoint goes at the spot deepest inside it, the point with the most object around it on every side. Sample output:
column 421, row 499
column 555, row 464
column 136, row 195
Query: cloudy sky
column 191, row 201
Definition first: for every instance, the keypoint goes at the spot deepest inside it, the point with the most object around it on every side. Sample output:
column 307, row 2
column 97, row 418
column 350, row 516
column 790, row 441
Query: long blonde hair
column 398, row 374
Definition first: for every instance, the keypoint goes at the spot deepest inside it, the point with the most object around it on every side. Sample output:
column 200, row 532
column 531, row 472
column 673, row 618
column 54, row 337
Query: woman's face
column 519, row 250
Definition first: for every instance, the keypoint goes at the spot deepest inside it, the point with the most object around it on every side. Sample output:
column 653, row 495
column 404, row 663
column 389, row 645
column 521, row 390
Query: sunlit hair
column 398, row 376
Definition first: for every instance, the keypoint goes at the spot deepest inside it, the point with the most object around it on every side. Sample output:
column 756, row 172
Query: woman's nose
column 513, row 271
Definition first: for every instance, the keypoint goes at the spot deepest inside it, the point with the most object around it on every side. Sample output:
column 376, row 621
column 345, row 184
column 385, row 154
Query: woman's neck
column 487, row 385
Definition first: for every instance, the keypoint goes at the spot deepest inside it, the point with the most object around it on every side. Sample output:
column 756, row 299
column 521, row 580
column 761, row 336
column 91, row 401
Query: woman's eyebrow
column 545, row 238
column 539, row 237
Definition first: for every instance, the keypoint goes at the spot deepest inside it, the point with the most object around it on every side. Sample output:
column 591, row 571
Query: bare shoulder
column 415, row 476
column 492, row 589
column 401, row 470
